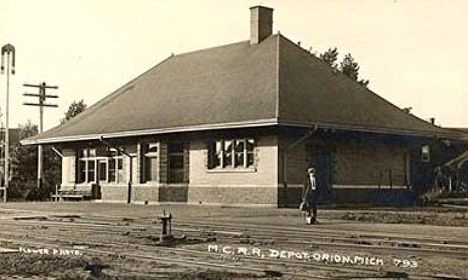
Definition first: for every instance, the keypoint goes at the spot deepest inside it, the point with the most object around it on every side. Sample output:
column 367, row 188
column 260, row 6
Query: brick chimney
column 261, row 23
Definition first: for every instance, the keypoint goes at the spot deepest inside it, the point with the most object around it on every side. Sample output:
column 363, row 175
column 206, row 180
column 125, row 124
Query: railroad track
column 242, row 227
column 226, row 232
column 278, row 235
column 188, row 258
column 322, row 236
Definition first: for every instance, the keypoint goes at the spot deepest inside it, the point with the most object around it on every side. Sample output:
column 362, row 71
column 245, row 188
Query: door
column 322, row 161
column 102, row 171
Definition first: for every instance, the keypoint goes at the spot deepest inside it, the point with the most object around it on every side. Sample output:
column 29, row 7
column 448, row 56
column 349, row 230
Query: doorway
column 322, row 161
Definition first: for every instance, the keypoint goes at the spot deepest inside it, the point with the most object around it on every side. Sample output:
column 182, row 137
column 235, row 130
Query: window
column 82, row 166
column 87, row 166
column 115, row 167
column 104, row 168
column 150, row 162
column 426, row 153
column 176, row 155
column 176, row 162
column 232, row 153
column 112, row 171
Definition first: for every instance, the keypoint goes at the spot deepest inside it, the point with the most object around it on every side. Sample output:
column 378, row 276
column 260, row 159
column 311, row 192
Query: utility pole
column 9, row 51
column 42, row 98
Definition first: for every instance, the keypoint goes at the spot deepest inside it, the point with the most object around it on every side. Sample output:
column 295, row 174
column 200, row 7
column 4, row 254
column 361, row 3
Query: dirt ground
column 83, row 240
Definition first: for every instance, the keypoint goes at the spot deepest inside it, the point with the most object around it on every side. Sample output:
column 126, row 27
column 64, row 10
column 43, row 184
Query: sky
column 414, row 52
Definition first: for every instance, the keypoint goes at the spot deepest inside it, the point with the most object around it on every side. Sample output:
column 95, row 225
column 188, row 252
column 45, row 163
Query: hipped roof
column 239, row 85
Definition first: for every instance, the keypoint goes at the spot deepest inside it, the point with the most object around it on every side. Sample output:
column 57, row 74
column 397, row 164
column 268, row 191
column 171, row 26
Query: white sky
column 414, row 52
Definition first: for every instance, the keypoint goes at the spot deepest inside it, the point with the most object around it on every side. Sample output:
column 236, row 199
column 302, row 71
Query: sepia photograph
column 236, row 139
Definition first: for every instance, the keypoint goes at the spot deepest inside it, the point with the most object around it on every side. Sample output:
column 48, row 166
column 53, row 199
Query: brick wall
column 139, row 164
column 114, row 193
column 186, row 162
column 376, row 197
column 294, row 172
column 173, row 193
column 248, row 186
column 257, row 185
column 145, row 193
column 163, row 161
column 296, row 162
column 135, row 170
column 351, row 164
column 369, row 165
column 354, row 164
column 225, row 195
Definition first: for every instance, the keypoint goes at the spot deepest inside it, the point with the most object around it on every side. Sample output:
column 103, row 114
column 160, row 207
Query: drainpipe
column 290, row 147
column 129, row 189
column 57, row 152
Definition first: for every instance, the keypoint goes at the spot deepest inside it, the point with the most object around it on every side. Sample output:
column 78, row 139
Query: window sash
column 110, row 168
column 231, row 153
column 103, row 167
column 150, row 168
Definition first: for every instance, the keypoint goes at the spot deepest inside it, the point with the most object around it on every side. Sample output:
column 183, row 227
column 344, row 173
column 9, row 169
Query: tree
column 348, row 66
column 74, row 109
column 24, row 164
column 24, row 168
column 330, row 57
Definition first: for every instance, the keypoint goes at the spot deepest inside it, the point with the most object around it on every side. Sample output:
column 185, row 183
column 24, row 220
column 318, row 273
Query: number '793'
column 405, row 263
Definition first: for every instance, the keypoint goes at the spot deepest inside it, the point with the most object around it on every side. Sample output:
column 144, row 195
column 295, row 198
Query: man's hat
column 310, row 170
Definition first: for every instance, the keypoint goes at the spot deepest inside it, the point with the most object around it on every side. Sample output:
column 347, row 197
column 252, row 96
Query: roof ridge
column 210, row 48
column 222, row 46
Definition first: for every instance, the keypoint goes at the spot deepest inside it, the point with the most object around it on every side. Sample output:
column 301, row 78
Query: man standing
column 310, row 196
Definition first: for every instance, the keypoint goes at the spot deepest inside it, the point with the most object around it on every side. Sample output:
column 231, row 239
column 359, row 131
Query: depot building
column 240, row 124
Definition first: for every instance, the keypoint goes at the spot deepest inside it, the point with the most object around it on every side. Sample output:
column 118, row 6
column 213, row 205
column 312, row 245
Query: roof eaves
column 463, row 132
column 143, row 132
column 396, row 131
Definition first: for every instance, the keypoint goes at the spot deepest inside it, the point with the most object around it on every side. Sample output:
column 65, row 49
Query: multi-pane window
column 104, row 168
column 82, row 166
column 232, row 153
column 87, row 166
column 112, row 170
column 176, row 162
column 150, row 162
column 115, row 167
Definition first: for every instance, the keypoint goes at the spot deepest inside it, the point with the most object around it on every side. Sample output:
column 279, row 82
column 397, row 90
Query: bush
column 42, row 193
column 431, row 196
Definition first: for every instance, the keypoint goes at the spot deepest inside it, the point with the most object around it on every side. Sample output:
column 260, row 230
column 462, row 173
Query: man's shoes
column 311, row 221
